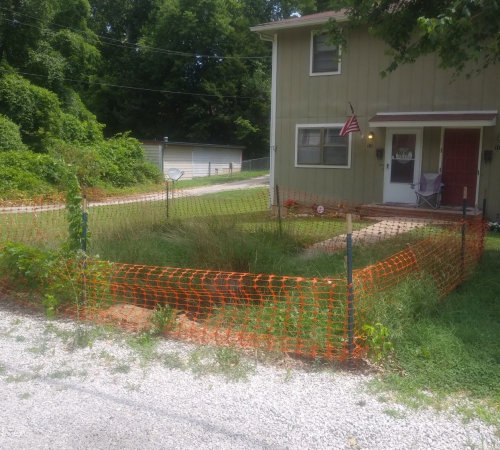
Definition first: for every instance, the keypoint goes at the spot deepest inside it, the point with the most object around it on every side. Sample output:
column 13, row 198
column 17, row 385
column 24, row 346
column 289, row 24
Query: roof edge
column 411, row 113
column 280, row 25
column 189, row 144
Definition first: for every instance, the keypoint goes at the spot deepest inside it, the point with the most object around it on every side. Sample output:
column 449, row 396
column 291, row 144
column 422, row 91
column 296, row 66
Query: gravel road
column 123, row 392
column 262, row 181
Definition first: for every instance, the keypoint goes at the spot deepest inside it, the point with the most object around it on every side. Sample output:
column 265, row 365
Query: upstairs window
column 321, row 146
column 324, row 58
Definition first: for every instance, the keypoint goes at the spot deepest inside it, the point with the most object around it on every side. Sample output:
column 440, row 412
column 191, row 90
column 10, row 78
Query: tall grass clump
column 400, row 307
column 218, row 243
column 450, row 348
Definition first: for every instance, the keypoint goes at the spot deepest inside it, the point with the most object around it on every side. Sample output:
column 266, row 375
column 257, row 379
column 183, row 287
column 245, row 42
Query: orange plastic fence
column 291, row 314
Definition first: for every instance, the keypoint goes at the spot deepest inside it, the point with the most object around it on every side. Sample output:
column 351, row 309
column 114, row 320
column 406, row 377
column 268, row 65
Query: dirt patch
column 129, row 317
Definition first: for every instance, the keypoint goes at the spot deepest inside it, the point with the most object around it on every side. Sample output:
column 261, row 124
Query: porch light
column 371, row 135
column 488, row 156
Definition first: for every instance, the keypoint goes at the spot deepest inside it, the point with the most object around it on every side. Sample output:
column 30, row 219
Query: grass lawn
column 454, row 349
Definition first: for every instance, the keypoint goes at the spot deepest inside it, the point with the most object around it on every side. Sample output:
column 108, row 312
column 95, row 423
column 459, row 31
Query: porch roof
column 434, row 119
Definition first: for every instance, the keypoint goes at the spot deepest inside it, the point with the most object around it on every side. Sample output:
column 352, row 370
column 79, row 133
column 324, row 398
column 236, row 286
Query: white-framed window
column 321, row 146
column 325, row 59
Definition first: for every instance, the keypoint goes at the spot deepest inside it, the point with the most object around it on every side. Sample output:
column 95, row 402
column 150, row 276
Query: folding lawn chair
column 429, row 186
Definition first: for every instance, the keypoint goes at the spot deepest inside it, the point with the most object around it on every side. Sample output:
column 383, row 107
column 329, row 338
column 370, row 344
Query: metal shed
column 195, row 160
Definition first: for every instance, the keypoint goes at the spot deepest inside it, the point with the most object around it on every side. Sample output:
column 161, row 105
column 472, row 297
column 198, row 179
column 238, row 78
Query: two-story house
column 417, row 119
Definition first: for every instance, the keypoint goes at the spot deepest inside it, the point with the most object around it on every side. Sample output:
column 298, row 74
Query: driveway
column 55, row 394
column 262, row 181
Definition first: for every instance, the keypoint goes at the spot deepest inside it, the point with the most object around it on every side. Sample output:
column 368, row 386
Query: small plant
column 291, row 205
column 144, row 344
column 50, row 304
column 174, row 361
column 377, row 338
column 82, row 338
column 393, row 413
column 164, row 318
column 121, row 368
column 60, row 374
column 227, row 361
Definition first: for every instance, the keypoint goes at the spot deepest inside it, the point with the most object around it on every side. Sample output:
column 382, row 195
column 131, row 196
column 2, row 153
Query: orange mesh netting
column 303, row 315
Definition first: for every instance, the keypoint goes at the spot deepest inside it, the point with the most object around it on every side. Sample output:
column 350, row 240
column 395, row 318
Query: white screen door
column 403, row 157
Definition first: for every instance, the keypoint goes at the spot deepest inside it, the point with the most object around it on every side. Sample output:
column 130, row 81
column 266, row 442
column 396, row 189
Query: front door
column 403, row 156
column 460, row 160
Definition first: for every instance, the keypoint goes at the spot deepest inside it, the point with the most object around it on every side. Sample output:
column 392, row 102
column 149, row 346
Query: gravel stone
column 54, row 395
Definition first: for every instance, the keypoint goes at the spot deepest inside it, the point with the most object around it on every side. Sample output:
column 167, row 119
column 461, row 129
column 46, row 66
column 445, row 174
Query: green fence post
column 84, row 247
column 350, row 295
column 167, row 198
column 278, row 201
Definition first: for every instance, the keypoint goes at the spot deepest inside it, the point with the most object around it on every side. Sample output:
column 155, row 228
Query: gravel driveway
column 123, row 392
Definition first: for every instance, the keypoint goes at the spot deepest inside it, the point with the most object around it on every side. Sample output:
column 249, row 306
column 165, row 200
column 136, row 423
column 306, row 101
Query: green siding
column 303, row 99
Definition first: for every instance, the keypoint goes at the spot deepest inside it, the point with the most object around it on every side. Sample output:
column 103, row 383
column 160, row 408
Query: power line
column 127, row 44
column 125, row 87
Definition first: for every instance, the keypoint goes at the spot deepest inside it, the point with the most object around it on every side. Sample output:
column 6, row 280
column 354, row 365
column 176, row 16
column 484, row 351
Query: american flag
column 350, row 126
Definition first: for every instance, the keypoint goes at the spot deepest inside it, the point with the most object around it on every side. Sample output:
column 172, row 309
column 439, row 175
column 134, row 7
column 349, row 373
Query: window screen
column 325, row 57
column 322, row 146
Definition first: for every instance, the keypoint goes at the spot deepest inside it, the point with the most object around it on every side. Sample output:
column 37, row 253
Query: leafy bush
column 79, row 125
column 41, row 116
column 123, row 162
column 35, row 109
column 84, row 162
column 27, row 174
column 10, row 138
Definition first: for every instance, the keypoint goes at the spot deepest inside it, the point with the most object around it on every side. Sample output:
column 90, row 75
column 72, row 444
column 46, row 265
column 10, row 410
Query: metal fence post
column 84, row 247
column 168, row 193
column 209, row 168
column 278, row 201
column 350, row 294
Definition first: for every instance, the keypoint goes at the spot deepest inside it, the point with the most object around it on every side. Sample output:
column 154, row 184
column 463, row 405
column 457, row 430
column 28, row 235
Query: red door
column 460, row 159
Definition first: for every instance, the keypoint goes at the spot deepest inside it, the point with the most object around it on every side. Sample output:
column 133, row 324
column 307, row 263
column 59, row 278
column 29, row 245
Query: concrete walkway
column 262, row 181
column 378, row 232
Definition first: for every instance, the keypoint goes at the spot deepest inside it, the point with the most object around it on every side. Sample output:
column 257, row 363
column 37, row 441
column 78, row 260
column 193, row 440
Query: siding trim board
column 435, row 118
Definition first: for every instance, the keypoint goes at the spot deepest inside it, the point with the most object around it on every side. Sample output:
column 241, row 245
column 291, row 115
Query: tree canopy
column 465, row 34
column 187, row 69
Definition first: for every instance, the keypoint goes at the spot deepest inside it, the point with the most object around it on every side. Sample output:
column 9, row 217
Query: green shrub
column 10, row 138
column 123, row 163
column 84, row 162
column 79, row 125
column 28, row 174
column 35, row 109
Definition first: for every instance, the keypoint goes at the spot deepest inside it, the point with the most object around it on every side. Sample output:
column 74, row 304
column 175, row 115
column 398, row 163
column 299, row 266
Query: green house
column 416, row 120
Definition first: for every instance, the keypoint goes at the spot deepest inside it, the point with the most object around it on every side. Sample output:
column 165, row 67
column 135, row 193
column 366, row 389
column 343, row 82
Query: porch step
column 385, row 212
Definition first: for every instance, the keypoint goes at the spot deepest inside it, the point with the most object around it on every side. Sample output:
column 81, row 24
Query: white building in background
column 195, row 160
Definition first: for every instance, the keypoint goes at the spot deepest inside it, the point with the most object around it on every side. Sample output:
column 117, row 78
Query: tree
column 205, row 98
column 465, row 34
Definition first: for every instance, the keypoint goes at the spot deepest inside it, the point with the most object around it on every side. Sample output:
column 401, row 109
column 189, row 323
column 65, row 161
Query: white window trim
column 322, row 166
column 311, row 57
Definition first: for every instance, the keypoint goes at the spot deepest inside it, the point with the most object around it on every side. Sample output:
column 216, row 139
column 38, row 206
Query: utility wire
column 125, row 87
column 127, row 44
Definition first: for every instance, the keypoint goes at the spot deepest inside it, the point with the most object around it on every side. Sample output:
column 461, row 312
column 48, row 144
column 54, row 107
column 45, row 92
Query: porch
column 448, row 143
column 388, row 211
